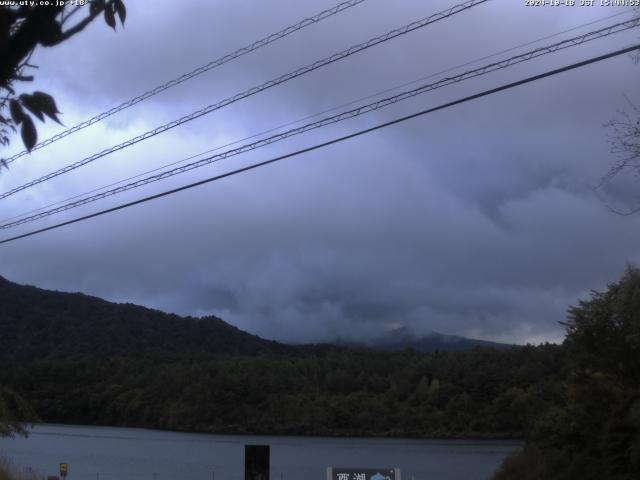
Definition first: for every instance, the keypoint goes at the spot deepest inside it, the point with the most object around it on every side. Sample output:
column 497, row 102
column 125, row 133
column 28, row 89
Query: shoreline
column 399, row 436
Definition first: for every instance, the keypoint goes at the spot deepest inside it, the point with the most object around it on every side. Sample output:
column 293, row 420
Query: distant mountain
column 402, row 338
column 37, row 324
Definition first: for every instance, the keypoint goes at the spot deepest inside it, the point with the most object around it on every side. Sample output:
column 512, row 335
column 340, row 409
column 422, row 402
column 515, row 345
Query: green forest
column 577, row 405
column 350, row 392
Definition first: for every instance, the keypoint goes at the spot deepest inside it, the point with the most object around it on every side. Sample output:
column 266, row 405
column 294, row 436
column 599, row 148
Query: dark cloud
column 479, row 220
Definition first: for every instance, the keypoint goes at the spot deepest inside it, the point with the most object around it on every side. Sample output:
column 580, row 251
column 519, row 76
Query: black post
column 256, row 462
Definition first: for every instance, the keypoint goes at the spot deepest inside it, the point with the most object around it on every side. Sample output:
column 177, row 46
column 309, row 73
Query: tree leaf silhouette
column 109, row 16
column 28, row 133
column 31, row 104
column 17, row 113
column 122, row 10
column 47, row 105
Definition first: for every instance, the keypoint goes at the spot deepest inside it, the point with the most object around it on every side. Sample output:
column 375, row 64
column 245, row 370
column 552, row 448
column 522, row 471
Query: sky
column 480, row 220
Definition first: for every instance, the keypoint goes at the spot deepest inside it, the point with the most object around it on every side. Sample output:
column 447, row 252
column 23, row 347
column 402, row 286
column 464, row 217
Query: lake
column 108, row 453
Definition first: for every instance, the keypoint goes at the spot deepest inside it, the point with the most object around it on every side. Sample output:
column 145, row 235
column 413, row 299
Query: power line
column 334, row 141
column 382, row 103
column 194, row 73
column 340, row 117
column 252, row 91
column 308, row 117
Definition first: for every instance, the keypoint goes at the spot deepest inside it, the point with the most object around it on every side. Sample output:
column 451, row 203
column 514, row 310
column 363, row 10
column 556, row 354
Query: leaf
column 109, row 16
column 28, row 133
column 47, row 105
column 32, row 105
column 17, row 113
column 122, row 10
column 47, row 100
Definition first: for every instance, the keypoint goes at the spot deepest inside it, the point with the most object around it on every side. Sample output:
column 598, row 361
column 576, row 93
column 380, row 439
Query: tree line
column 483, row 393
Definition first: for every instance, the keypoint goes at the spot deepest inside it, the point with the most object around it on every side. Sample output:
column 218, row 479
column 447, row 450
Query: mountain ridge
column 403, row 337
column 45, row 324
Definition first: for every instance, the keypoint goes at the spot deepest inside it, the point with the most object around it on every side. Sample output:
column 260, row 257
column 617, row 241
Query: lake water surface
column 106, row 453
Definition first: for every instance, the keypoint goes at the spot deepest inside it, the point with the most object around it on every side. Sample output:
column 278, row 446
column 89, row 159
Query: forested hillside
column 38, row 324
column 355, row 392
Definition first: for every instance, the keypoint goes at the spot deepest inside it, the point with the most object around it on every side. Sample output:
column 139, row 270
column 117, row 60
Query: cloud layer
column 479, row 220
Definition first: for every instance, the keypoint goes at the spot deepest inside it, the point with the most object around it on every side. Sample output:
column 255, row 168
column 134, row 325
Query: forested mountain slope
column 38, row 324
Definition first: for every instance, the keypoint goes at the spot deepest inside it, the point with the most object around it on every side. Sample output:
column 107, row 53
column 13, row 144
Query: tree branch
column 78, row 27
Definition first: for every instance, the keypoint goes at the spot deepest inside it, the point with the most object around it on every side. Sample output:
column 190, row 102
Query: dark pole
column 256, row 462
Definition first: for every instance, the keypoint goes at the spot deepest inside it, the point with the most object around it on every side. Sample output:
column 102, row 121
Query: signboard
column 334, row 473
column 64, row 469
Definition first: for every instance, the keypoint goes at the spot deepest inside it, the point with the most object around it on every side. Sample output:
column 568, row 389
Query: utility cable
column 252, row 91
column 382, row 103
column 194, row 73
column 334, row 141
column 308, row 117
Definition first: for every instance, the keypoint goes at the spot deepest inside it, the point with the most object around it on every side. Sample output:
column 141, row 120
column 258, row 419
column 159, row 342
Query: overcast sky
column 479, row 220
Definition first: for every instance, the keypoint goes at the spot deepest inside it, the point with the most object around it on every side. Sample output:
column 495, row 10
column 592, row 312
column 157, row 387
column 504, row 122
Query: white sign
column 337, row 473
